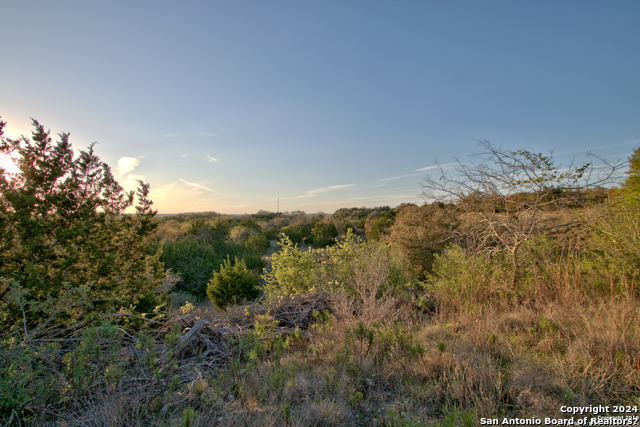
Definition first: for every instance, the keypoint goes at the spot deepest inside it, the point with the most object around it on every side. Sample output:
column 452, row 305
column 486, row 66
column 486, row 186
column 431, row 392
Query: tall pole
column 278, row 204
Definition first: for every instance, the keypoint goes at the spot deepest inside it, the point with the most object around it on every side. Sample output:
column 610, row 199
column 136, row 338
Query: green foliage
column 504, row 196
column 292, row 271
column 29, row 378
column 349, row 228
column 241, row 233
column 189, row 417
column 378, row 225
column 213, row 233
column 359, row 214
column 62, row 222
column 422, row 232
column 616, row 240
column 261, row 343
column 253, row 260
column 379, row 349
column 95, row 358
column 272, row 233
column 454, row 416
column 251, row 224
column 264, row 215
column 232, row 284
column 324, row 234
column 462, row 281
column 68, row 307
column 393, row 419
column 366, row 269
column 258, row 242
column 294, row 233
column 632, row 183
column 194, row 260
column 351, row 266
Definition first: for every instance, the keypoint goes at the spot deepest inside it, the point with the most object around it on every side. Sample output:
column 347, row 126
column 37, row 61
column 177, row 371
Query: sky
column 238, row 106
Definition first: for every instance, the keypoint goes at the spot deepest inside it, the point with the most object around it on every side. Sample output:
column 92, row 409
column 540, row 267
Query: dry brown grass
column 367, row 361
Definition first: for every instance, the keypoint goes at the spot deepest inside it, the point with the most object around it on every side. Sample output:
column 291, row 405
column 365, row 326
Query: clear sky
column 229, row 105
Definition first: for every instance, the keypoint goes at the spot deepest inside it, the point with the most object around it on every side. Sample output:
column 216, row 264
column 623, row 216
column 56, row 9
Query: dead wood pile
column 208, row 338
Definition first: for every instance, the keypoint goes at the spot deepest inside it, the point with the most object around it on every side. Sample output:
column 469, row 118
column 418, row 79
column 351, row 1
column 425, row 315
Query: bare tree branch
column 504, row 195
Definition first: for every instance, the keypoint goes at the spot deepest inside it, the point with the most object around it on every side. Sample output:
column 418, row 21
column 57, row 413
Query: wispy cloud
column 126, row 165
column 325, row 189
column 193, row 184
column 419, row 172
column 443, row 166
column 182, row 157
column 212, row 159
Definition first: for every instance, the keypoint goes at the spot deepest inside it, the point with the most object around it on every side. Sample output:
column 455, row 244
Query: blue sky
column 228, row 106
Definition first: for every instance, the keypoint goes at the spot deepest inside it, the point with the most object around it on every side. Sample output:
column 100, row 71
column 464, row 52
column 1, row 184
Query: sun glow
column 8, row 164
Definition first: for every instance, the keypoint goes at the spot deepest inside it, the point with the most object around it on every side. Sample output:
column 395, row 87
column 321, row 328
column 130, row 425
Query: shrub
column 324, row 234
column 292, row 271
column 232, row 283
column 349, row 228
column 632, row 183
column 193, row 260
column 463, row 281
column 258, row 242
column 211, row 232
column 241, row 233
column 253, row 261
column 29, row 378
column 62, row 223
column 293, row 233
column 422, row 232
column 362, row 270
column 378, row 225
column 272, row 233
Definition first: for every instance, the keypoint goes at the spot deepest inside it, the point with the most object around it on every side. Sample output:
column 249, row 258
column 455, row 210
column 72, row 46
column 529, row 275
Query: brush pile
column 136, row 356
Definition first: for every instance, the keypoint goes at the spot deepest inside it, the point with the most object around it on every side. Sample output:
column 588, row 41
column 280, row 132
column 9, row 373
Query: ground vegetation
column 386, row 331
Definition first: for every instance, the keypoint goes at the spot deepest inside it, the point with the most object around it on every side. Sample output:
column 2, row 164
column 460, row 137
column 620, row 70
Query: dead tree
column 503, row 195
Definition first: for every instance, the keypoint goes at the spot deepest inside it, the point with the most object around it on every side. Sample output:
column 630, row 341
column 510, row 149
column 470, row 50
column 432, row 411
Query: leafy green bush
column 252, row 224
column 349, row 228
column 194, row 260
column 463, row 281
column 616, row 240
column 241, row 233
column 272, row 233
column 292, row 271
column 421, row 232
column 96, row 357
column 211, row 232
column 324, row 234
column 632, row 183
column 258, row 242
column 293, row 233
column 378, row 225
column 253, row 261
column 232, row 284
column 29, row 378
column 352, row 266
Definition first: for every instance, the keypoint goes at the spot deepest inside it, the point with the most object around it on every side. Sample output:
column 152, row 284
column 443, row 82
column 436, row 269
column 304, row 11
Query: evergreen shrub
column 232, row 284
